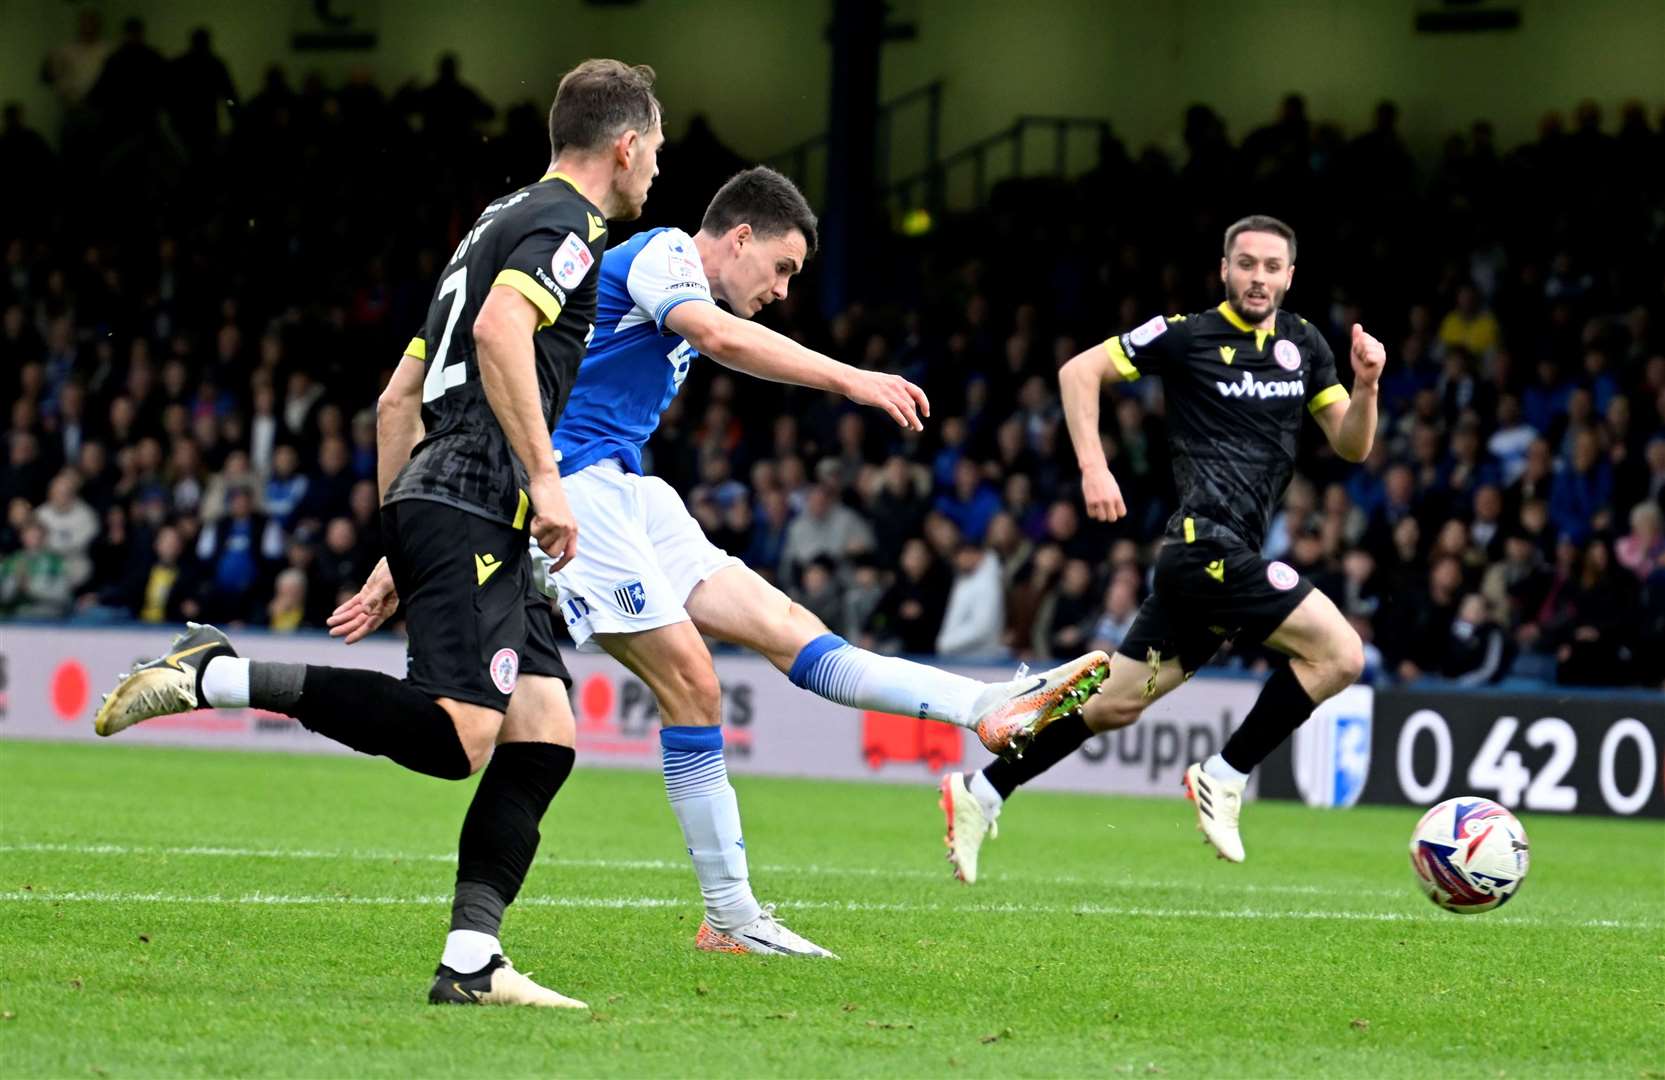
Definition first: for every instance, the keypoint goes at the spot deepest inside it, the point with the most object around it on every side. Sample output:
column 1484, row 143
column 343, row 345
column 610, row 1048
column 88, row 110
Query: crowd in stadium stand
column 203, row 293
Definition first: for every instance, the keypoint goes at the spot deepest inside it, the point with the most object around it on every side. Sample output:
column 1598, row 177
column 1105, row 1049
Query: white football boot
column 498, row 983
column 969, row 824
column 163, row 686
column 1007, row 716
column 1219, row 804
column 764, row 934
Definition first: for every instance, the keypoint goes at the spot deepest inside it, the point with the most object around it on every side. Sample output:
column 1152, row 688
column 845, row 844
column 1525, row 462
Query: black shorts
column 1206, row 592
column 474, row 622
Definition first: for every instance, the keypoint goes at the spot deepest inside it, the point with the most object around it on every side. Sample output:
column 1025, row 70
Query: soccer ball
column 1469, row 854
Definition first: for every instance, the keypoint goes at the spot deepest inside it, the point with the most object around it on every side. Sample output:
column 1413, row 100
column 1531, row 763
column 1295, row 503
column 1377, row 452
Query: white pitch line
column 258, row 899
column 662, row 865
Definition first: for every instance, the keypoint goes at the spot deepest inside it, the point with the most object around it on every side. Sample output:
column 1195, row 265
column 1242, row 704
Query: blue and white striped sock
column 834, row 669
column 696, row 782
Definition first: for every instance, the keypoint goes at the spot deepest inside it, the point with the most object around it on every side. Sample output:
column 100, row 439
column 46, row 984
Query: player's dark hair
column 1261, row 223
column 598, row 101
column 764, row 199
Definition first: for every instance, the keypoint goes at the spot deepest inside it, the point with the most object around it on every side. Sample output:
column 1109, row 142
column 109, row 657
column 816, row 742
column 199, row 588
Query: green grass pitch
column 183, row 913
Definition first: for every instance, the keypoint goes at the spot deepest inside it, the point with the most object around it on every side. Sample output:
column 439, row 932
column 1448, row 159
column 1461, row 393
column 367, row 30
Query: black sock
column 1057, row 741
column 1283, row 706
column 500, row 831
column 371, row 712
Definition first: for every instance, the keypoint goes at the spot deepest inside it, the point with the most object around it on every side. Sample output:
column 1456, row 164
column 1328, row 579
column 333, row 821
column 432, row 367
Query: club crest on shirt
column 631, row 597
column 1287, row 355
column 505, row 670
column 1282, row 576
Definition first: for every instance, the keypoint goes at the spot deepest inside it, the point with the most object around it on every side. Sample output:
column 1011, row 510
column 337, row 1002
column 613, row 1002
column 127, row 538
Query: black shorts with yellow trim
column 474, row 621
column 1207, row 592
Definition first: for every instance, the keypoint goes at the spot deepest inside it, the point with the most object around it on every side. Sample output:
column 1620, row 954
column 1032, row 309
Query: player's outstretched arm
column 1351, row 427
column 508, row 373
column 757, row 350
column 1080, row 382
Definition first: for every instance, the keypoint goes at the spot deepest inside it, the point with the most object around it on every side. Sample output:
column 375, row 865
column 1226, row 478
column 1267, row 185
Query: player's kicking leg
column 736, row 605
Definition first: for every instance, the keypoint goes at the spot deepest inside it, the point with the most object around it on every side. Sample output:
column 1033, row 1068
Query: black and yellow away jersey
column 545, row 241
column 1235, row 396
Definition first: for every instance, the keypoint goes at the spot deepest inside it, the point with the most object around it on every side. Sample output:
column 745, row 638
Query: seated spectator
column 817, row 590
column 33, row 581
column 768, row 538
column 1067, row 616
column 1508, row 443
column 909, row 614
column 1477, row 652
column 70, row 526
column 1594, row 635
column 234, row 551
column 1639, row 550
column 287, row 609
column 1121, row 607
column 1579, row 501
column 1469, row 325
column 826, row 527
column 1027, row 595
column 1515, row 586
column 285, row 487
column 863, row 590
column 971, row 505
column 976, row 612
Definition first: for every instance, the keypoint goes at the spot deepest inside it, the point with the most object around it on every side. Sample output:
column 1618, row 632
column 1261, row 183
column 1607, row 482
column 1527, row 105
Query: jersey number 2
column 442, row 377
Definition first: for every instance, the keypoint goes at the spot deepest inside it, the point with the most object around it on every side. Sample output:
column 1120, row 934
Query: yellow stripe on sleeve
column 534, row 292
column 1124, row 366
column 1190, row 530
column 1326, row 397
column 417, row 348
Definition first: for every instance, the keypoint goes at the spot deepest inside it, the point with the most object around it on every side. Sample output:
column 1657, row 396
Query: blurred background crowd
column 205, row 286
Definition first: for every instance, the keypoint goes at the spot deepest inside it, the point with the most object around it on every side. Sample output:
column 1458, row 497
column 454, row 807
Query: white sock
column 467, row 951
column 834, row 669
column 225, row 685
column 985, row 794
column 1217, row 767
column 696, row 782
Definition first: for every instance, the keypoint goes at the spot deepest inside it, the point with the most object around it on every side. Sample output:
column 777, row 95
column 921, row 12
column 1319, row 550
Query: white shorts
column 640, row 554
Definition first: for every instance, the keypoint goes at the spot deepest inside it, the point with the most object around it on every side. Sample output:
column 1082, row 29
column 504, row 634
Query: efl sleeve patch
column 1147, row 332
column 571, row 261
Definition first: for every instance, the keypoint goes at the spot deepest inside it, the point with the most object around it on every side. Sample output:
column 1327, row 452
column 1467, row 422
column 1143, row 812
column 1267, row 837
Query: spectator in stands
column 971, row 505
column 33, row 581
column 909, row 614
column 1121, row 607
column 1470, row 325
column 1639, row 550
column 287, row 608
column 826, row 527
column 234, row 551
column 817, row 590
column 975, row 616
column 1579, row 501
column 70, row 526
column 1594, row 629
column 199, row 85
column 1476, row 650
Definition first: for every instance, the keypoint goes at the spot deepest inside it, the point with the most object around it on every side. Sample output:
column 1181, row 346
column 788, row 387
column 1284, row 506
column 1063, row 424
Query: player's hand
column 1368, row 357
column 368, row 608
column 904, row 401
column 1103, row 495
column 554, row 529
